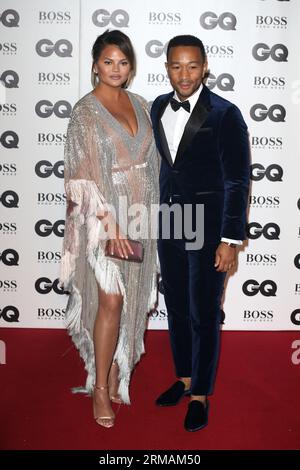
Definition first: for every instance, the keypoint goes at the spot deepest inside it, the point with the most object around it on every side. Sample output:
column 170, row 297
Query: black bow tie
column 175, row 105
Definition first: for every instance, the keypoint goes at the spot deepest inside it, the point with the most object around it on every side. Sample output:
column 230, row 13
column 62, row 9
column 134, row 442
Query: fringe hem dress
column 107, row 169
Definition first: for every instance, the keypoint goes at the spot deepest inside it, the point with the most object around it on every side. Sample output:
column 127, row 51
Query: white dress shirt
column 174, row 123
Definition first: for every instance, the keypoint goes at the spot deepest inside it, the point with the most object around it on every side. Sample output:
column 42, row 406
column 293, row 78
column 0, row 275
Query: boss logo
column 295, row 317
column 10, row 314
column 270, row 142
column 51, row 198
column 51, row 313
column 54, row 78
column 57, row 16
column 297, row 261
column 267, row 201
column 273, row 172
column 267, row 288
column 9, row 140
column 10, row 78
column 44, row 228
column 271, row 21
column 225, row 82
column 118, row 18
column 44, row 169
column 210, row 20
column 62, row 109
column 158, row 79
column 51, row 139
column 8, row 109
column 8, row 227
column 216, row 50
column 43, row 285
column 8, row 285
column 258, row 258
column 261, row 315
column 8, row 168
column 155, row 48
column 278, row 52
column 158, row 314
column 270, row 231
column 9, row 257
column 162, row 17
column 276, row 112
column 48, row 256
column 9, row 48
column 62, row 48
column 9, row 199
column 10, row 18
column 271, row 82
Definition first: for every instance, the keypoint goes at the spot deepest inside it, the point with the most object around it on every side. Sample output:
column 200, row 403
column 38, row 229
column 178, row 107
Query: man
column 203, row 142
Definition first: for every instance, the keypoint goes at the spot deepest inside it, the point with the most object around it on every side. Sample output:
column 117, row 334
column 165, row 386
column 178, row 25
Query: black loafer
column 173, row 395
column 197, row 416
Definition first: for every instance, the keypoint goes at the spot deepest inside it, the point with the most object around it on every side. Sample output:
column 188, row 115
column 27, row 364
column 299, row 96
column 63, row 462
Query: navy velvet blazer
column 211, row 166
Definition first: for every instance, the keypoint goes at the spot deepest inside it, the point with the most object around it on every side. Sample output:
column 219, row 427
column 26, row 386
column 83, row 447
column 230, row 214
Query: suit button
column 175, row 172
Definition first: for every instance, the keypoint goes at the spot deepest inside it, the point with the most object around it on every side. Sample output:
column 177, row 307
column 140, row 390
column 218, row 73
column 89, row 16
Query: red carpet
column 255, row 404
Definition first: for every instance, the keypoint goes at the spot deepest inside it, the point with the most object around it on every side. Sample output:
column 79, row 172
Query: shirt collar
column 193, row 98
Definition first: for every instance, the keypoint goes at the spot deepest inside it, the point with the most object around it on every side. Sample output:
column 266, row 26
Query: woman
column 110, row 157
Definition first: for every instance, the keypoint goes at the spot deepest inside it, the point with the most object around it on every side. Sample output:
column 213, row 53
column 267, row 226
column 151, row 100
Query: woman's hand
column 119, row 245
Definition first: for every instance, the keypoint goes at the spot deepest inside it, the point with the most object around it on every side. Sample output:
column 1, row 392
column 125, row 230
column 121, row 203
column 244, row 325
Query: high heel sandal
column 115, row 398
column 105, row 421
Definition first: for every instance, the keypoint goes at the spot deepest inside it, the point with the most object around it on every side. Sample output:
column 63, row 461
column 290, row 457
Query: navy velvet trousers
column 193, row 290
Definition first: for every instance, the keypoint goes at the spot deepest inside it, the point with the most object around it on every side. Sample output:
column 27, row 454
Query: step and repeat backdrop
column 45, row 64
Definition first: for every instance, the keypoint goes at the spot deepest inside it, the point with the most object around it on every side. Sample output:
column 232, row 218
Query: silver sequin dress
column 103, row 165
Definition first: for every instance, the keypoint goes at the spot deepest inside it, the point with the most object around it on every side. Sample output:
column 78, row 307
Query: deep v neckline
column 117, row 121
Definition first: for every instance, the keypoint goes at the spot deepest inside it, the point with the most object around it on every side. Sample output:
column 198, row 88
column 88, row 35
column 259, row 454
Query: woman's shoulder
column 138, row 97
column 84, row 106
column 142, row 101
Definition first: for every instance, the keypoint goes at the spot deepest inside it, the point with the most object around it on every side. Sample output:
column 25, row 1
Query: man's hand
column 225, row 257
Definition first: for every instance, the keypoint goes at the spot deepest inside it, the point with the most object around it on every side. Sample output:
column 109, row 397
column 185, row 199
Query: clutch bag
column 136, row 246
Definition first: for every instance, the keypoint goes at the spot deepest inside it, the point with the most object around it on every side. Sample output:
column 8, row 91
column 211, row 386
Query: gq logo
column 62, row 109
column 276, row 112
column 155, row 48
column 278, row 52
column 267, row 288
column 9, row 199
column 44, row 169
column 273, row 172
column 297, row 261
column 10, row 314
column 43, row 285
column 10, row 18
column 44, row 228
column 118, row 18
column 10, row 78
column 9, row 257
column 295, row 317
column 270, row 231
column 226, row 21
column 9, row 140
column 225, row 82
column 62, row 48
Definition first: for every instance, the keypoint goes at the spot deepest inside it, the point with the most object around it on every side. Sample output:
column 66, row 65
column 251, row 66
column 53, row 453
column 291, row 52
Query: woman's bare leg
column 106, row 331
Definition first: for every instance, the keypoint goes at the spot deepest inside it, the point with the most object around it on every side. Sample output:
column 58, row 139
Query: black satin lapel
column 198, row 117
column 164, row 143
column 162, row 140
